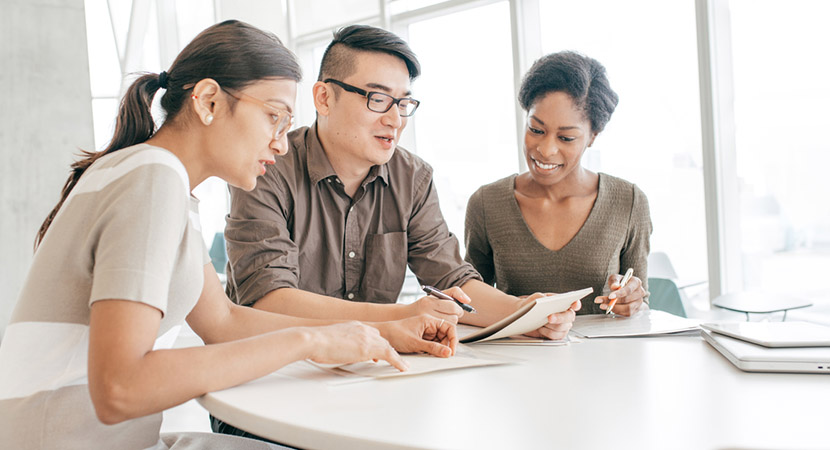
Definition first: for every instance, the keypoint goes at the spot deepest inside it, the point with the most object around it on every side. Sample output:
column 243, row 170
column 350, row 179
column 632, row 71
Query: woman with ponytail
column 86, row 361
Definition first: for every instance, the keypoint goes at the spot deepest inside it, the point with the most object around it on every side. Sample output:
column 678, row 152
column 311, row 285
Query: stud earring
column 208, row 119
column 194, row 97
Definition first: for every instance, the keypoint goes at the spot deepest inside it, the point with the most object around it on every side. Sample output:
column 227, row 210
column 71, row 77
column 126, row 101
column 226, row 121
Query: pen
column 436, row 293
column 626, row 277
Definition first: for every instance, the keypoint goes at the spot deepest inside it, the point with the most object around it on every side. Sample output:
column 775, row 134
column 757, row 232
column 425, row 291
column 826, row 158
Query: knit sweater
column 506, row 253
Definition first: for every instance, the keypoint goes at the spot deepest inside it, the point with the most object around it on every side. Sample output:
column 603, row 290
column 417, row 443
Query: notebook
column 755, row 358
column 646, row 322
column 775, row 334
column 527, row 318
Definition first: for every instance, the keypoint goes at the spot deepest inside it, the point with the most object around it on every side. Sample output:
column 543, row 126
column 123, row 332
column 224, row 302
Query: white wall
column 45, row 117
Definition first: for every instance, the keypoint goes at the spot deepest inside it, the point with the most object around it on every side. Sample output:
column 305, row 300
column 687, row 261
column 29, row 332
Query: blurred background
column 721, row 105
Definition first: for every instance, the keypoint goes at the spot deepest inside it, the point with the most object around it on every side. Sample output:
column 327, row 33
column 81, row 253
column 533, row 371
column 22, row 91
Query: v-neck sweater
column 504, row 250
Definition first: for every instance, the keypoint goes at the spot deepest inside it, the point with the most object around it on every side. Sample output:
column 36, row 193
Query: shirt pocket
column 386, row 256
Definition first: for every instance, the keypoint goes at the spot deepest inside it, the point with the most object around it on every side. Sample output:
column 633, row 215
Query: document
column 464, row 330
column 418, row 364
column 648, row 322
column 528, row 318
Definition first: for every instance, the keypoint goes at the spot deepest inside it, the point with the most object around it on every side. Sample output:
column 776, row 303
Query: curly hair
column 577, row 75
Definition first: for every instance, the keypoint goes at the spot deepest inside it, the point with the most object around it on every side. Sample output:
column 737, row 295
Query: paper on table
column 527, row 318
column 420, row 363
column 527, row 340
column 647, row 322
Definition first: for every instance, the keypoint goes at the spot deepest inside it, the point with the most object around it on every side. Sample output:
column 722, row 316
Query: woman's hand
column 421, row 334
column 629, row 297
column 558, row 323
column 351, row 342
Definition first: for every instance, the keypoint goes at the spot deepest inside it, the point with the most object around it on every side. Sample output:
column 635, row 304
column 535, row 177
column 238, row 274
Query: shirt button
column 351, row 208
column 351, row 254
column 351, row 296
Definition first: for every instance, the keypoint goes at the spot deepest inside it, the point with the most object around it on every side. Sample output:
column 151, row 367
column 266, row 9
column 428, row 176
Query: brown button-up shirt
column 298, row 228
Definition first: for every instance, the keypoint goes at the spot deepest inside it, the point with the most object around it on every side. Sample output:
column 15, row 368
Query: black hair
column 577, row 75
column 338, row 59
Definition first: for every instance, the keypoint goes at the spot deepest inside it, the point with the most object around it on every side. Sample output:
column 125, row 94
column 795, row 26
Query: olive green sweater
column 504, row 250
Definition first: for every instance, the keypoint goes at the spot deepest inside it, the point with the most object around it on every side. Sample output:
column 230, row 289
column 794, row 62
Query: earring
column 194, row 97
column 208, row 119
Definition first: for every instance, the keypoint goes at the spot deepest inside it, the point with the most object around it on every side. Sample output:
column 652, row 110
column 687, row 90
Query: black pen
column 436, row 293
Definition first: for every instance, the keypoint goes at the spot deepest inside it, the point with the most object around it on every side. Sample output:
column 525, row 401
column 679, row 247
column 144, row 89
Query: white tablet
column 775, row 334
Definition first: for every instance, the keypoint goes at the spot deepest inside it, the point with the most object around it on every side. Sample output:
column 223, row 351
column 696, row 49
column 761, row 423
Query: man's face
column 362, row 138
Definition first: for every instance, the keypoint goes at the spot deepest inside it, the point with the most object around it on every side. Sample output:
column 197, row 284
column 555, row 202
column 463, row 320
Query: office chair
column 665, row 296
column 660, row 266
column 218, row 253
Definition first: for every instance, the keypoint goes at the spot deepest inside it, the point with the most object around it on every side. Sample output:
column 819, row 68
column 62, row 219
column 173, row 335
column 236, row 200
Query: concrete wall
column 45, row 117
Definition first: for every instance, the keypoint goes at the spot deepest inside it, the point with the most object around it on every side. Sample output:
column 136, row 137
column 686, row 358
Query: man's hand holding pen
column 445, row 305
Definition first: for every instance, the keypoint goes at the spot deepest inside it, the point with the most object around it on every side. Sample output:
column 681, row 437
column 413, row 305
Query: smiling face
column 245, row 143
column 356, row 138
column 556, row 135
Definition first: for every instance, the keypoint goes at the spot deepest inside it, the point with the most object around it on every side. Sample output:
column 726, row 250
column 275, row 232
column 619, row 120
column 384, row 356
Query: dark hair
column 233, row 53
column 338, row 59
column 577, row 75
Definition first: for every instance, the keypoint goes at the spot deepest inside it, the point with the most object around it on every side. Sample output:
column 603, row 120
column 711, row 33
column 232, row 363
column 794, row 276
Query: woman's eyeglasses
column 282, row 118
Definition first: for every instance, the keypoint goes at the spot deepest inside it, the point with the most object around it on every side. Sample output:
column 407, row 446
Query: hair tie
column 163, row 80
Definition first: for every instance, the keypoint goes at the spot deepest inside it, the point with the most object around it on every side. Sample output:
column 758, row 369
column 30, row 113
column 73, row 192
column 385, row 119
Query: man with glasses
column 343, row 214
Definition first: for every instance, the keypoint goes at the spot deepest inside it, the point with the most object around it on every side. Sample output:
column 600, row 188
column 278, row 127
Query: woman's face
column 556, row 136
column 246, row 140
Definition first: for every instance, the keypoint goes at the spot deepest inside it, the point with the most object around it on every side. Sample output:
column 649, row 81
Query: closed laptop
column 755, row 358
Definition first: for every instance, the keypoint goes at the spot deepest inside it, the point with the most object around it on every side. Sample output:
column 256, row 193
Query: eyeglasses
column 380, row 102
column 282, row 119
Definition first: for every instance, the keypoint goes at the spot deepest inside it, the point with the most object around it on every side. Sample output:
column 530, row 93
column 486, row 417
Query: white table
column 664, row 392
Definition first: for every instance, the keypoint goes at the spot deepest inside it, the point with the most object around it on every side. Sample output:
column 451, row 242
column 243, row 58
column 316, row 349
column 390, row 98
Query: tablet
column 775, row 334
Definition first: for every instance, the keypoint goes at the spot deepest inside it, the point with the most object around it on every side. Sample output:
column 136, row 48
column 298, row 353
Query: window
column 466, row 125
column 109, row 51
column 653, row 138
column 780, row 98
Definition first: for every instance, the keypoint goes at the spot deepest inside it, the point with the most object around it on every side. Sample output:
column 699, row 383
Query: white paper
column 527, row 340
column 418, row 364
column 646, row 322
column 529, row 317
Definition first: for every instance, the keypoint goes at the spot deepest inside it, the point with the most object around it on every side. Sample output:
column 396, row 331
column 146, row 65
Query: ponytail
column 232, row 53
column 134, row 125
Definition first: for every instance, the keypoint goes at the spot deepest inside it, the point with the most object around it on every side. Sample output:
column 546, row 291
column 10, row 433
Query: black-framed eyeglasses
column 380, row 102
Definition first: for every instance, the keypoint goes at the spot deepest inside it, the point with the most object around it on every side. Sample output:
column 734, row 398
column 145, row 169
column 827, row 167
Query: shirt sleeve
column 433, row 252
column 262, row 257
column 136, row 235
column 479, row 252
column 637, row 246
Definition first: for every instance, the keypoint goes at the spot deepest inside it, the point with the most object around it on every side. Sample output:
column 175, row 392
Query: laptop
column 775, row 334
column 755, row 358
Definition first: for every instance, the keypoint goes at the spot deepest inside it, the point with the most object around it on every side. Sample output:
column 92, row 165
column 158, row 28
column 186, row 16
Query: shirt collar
column 319, row 166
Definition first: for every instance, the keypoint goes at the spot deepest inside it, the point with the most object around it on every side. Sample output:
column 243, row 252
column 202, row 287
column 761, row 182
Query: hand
column 351, row 342
column 558, row 323
column 422, row 333
column 629, row 297
column 442, row 309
